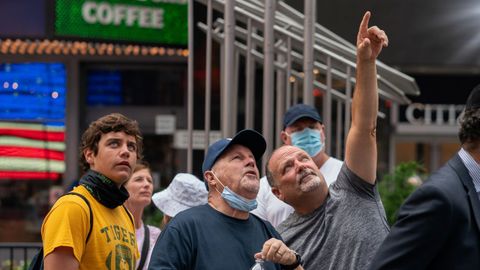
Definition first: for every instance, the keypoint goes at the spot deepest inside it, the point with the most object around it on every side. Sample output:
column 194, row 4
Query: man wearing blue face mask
column 223, row 234
column 303, row 128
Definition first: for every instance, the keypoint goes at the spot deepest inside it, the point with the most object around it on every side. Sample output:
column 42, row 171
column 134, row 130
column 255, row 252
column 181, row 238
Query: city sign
column 152, row 21
column 433, row 114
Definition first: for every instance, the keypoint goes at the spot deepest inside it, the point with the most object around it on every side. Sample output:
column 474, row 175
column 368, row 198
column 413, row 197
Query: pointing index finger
column 362, row 30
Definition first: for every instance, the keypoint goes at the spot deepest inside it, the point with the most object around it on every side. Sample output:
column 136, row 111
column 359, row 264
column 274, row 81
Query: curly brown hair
column 114, row 122
column 469, row 133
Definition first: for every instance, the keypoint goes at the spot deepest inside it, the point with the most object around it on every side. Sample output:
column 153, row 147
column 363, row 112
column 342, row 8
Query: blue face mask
column 308, row 140
column 236, row 201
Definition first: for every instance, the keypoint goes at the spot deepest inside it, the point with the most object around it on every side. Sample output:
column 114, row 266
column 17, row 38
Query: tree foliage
column 396, row 187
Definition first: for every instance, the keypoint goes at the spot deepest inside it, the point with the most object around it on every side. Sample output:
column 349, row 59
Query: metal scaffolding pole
column 228, row 78
column 338, row 135
column 268, row 76
column 191, row 25
column 308, row 36
column 72, row 124
column 280, row 94
column 208, row 76
column 234, row 104
column 348, row 102
column 288, row 98
column 296, row 90
column 249, row 79
column 392, row 140
column 327, row 108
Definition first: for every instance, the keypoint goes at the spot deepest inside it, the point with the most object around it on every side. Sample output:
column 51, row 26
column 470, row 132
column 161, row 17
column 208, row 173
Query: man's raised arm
column 361, row 147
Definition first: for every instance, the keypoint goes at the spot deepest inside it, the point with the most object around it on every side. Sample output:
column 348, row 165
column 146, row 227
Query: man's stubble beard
column 313, row 183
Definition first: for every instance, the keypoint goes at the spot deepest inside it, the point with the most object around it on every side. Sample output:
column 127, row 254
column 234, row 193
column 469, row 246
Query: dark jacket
column 438, row 226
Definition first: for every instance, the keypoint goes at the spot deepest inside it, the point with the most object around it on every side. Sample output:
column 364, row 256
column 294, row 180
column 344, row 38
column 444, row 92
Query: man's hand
column 276, row 251
column 370, row 41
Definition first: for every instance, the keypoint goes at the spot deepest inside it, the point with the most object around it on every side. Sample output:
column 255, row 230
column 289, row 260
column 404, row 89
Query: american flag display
column 32, row 115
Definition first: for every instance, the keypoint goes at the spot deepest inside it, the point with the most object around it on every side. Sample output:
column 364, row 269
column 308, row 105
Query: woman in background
column 140, row 189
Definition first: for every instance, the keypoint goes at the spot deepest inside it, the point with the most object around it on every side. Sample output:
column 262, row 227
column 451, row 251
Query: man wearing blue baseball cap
column 303, row 128
column 223, row 234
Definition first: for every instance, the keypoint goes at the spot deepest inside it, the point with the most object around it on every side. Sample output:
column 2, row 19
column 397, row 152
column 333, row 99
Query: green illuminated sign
column 156, row 21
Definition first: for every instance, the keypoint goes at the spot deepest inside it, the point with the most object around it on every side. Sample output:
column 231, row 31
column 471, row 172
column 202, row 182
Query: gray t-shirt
column 345, row 232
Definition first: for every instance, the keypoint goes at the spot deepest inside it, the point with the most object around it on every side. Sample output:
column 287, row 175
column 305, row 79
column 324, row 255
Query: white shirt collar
column 473, row 168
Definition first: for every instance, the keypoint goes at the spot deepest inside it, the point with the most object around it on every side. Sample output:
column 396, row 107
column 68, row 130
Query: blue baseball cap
column 247, row 137
column 300, row 111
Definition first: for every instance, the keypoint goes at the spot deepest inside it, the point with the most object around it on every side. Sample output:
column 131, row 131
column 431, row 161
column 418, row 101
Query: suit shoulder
column 445, row 179
column 444, row 185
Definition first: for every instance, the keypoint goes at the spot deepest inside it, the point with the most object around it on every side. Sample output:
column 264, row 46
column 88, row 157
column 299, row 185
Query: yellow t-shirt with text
column 112, row 244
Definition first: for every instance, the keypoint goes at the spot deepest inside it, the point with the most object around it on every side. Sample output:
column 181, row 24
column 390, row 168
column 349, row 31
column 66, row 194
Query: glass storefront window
column 136, row 86
column 142, row 92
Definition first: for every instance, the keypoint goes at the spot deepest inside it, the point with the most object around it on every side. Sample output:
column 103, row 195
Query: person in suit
column 438, row 226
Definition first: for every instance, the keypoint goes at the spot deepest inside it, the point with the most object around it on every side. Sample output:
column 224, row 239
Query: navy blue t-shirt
column 203, row 238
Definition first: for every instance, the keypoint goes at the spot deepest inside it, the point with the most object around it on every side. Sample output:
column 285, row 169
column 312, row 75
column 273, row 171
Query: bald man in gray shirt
column 341, row 227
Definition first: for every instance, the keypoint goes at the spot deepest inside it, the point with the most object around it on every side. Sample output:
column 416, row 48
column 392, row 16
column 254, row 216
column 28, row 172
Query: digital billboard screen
column 32, row 120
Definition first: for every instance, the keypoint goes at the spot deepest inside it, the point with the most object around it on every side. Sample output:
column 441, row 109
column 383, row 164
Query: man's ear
column 88, row 154
column 208, row 176
column 277, row 193
column 322, row 131
column 284, row 137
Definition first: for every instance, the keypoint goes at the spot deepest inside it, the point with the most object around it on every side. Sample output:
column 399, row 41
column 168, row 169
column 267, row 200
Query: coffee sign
column 152, row 21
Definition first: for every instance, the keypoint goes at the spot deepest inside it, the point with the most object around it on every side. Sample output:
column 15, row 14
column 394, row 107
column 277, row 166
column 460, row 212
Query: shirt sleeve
column 66, row 225
column 348, row 180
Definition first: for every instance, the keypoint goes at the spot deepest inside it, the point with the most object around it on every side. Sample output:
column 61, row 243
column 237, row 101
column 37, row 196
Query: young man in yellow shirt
column 109, row 151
